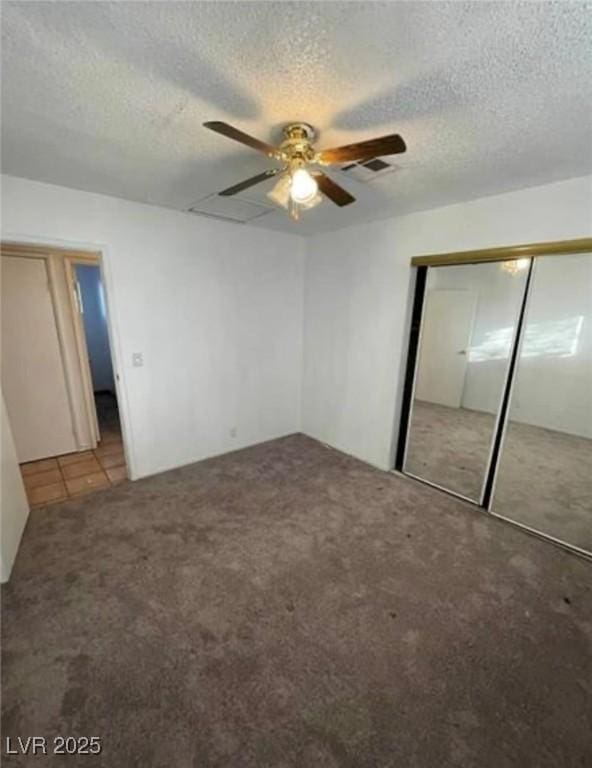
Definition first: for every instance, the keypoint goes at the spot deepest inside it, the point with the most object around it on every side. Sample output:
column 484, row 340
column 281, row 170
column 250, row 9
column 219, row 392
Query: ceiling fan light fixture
column 315, row 200
column 298, row 189
column 303, row 187
column 280, row 194
column 515, row 266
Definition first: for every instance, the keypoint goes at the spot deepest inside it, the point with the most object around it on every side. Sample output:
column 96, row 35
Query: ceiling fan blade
column 249, row 182
column 332, row 190
column 243, row 138
column 364, row 150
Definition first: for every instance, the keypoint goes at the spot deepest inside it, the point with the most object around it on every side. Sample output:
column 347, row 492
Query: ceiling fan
column 298, row 188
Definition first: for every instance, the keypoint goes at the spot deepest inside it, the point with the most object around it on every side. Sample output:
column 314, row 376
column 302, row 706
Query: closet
column 497, row 404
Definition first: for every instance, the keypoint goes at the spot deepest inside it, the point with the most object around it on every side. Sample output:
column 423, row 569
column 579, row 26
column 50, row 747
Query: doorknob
column 462, row 352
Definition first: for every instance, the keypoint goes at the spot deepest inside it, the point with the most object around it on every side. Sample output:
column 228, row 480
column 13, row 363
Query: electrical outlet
column 137, row 359
column 233, row 432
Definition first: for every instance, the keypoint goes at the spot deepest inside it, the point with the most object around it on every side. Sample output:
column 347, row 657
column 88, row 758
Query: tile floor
column 62, row 477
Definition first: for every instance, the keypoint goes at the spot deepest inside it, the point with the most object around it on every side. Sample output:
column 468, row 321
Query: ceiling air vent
column 369, row 169
column 229, row 208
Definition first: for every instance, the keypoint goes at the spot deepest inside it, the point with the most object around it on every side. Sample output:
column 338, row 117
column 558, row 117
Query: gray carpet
column 288, row 606
column 449, row 446
column 544, row 480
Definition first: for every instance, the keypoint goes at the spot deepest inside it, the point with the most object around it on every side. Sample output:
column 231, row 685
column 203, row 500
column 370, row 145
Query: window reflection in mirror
column 545, row 472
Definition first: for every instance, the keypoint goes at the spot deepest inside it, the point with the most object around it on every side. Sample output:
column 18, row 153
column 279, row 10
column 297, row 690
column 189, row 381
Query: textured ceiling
column 110, row 97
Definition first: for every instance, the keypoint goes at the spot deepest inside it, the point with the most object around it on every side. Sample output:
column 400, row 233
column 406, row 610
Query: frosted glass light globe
column 303, row 187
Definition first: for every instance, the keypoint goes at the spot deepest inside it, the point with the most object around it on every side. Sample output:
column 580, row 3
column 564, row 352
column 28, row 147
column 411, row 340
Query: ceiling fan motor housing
column 297, row 147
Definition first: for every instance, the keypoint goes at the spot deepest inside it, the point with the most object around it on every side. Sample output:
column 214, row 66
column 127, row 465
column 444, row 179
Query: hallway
column 74, row 474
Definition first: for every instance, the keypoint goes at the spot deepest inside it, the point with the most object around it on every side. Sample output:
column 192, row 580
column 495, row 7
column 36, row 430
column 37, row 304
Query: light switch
column 137, row 359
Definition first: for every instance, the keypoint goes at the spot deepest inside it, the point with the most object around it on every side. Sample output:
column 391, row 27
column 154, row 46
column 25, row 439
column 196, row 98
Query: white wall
column 357, row 289
column 215, row 308
column 553, row 385
column 15, row 508
column 357, row 300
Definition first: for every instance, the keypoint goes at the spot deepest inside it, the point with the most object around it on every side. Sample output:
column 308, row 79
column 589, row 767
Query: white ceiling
column 110, row 97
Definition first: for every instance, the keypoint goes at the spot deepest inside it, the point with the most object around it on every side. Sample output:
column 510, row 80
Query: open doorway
column 57, row 373
column 92, row 311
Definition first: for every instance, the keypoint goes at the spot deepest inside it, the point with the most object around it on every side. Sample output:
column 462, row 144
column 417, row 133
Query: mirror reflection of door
column 447, row 327
column 468, row 324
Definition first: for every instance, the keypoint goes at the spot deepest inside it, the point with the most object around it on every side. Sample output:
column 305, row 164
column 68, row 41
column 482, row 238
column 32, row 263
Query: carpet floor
column 288, row 606
column 544, row 479
column 449, row 446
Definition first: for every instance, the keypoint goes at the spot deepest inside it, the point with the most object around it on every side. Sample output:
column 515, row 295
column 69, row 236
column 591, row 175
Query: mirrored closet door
column 497, row 403
column 544, row 476
column 469, row 319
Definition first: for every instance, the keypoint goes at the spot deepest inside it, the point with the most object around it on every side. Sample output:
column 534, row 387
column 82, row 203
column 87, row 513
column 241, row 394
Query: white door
column 33, row 378
column 446, row 333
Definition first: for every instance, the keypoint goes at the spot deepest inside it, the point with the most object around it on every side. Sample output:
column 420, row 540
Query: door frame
column 19, row 244
column 63, row 315
column 70, row 259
